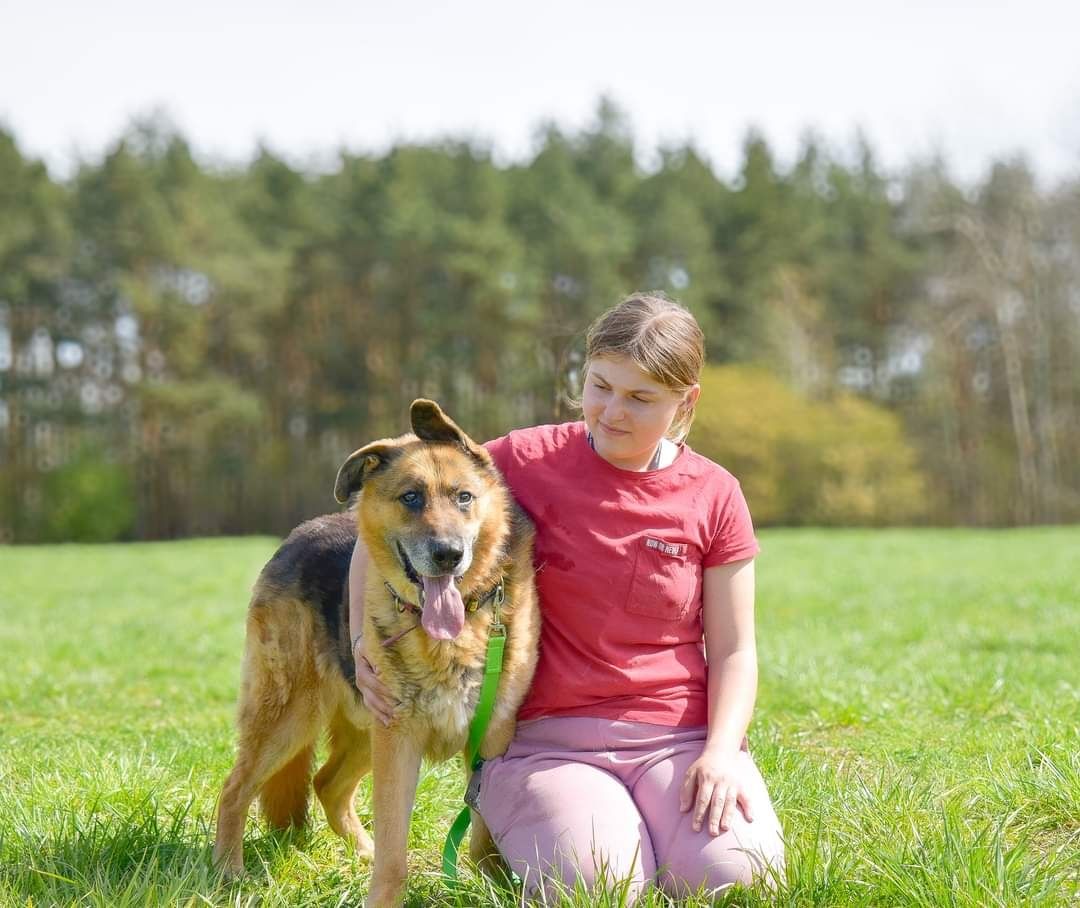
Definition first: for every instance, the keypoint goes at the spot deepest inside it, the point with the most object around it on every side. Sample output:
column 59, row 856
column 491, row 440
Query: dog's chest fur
column 443, row 706
column 448, row 715
column 439, row 703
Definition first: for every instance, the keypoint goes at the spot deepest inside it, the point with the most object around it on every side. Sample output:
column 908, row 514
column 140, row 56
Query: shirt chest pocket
column 664, row 580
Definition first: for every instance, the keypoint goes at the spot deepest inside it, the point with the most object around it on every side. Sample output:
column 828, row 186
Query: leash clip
column 497, row 629
column 472, row 793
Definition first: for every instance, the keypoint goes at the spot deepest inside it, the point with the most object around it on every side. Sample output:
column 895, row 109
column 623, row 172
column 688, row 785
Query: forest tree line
column 189, row 348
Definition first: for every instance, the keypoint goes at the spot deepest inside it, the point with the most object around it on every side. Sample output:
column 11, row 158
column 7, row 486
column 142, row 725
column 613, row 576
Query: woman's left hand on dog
column 374, row 693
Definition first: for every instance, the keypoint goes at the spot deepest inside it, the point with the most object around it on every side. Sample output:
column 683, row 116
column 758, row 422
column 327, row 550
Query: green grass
column 918, row 725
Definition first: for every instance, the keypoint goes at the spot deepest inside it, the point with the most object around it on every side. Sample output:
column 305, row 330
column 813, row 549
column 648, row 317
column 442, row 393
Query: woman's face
column 628, row 411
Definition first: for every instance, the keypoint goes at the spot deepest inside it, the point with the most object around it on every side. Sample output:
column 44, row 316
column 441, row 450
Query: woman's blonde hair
column 661, row 337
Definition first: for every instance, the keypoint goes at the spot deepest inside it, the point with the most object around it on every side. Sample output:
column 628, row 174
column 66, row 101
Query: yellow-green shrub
column 844, row 461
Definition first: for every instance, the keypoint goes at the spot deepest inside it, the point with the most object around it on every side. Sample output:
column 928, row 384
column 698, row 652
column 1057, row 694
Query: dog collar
column 403, row 605
column 496, row 594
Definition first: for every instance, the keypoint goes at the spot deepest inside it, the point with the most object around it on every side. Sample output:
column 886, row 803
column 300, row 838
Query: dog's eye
column 465, row 497
column 411, row 499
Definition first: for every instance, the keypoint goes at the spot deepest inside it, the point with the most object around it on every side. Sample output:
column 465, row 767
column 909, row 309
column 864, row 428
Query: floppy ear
column 429, row 423
column 360, row 465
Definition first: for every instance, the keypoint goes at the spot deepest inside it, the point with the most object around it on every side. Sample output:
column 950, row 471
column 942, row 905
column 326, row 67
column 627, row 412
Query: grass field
column 918, row 724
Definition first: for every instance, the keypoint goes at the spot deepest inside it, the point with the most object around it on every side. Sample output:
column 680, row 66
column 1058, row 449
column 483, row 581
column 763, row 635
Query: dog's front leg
column 395, row 760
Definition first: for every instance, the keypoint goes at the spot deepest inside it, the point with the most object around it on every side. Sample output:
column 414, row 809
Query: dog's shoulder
column 521, row 535
column 312, row 563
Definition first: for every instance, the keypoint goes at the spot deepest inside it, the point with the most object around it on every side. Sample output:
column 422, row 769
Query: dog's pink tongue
column 444, row 612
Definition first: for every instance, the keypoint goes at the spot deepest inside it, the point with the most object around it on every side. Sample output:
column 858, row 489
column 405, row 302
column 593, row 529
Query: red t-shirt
column 619, row 558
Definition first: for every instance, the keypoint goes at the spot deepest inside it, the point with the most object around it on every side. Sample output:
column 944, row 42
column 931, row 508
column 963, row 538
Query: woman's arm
column 712, row 784
column 731, row 651
column 357, row 578
column 376, row 697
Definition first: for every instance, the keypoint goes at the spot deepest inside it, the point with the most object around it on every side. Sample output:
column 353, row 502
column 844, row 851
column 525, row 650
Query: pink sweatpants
column 584, row 800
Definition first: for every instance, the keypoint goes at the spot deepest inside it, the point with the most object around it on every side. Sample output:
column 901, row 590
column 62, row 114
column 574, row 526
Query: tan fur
column 284, row 796
column 295, row 684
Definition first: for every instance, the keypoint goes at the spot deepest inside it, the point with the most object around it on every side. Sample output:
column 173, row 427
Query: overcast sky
column 972, row 80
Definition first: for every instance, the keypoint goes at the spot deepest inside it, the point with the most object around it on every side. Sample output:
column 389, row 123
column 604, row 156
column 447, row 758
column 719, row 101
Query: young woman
column 630, row 759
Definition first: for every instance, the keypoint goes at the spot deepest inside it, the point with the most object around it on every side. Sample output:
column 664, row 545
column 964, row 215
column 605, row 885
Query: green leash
column 492, row 669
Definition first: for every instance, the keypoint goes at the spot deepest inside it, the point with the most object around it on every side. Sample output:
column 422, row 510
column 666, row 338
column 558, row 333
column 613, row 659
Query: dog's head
column 432, row 512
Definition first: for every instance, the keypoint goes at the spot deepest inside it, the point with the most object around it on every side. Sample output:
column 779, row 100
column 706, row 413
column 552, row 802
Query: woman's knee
column 567, row 872
column 567, row 825
column 719, row 867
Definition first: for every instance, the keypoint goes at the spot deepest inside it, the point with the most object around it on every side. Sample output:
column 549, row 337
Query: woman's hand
column 373, row 692
column 713, row 787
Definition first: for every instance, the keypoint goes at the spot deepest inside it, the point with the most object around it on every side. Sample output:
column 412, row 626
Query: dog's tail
column 284, row 796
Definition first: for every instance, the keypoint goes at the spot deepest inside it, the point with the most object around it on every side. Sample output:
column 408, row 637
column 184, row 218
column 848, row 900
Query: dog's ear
column 360, row 465
column 429, row 423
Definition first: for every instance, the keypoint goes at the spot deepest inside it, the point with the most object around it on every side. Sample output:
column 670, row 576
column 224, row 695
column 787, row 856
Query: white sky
column 971, row 79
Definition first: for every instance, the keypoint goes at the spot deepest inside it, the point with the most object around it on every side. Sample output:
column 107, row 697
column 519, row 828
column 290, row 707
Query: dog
column 447, row 546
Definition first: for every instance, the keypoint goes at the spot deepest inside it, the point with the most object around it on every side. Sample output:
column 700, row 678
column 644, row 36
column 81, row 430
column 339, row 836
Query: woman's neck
column 663, row 455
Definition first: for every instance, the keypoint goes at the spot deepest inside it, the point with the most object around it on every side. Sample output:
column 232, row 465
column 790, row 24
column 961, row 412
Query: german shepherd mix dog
column 448, row 550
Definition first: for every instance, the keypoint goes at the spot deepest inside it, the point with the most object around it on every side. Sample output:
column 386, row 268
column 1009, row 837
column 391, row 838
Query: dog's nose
column 447, row 555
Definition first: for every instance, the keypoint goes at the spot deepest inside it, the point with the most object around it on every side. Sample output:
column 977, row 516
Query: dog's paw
column 228, row 862
column 231, row 872
column 363, row 845
column 385, row 895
